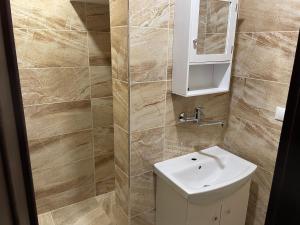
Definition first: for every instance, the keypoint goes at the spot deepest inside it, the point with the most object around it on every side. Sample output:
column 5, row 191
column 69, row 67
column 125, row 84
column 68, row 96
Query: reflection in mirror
column 212, row 28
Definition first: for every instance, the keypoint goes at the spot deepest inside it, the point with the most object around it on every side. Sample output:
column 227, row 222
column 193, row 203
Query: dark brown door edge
column 284, row 204
column 15, row 171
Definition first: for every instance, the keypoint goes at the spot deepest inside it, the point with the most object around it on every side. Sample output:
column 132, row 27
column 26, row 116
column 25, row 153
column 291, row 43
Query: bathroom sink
column 212, row 172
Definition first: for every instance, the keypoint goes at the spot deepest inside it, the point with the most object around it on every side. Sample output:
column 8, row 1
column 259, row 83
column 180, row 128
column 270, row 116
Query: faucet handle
column 199, row 113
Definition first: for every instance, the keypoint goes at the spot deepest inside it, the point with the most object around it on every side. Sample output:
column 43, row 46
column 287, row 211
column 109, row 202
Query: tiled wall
column 262, row 68
column 154, row 133
column 120, row 51
column 63, row 53
column 264, row 53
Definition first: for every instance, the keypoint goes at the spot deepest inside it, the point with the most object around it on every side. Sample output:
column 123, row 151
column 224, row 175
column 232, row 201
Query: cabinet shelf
column 206, row 91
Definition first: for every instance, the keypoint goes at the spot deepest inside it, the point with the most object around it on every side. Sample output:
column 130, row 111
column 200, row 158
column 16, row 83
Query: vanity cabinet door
column 234, row 207
column 207, row 214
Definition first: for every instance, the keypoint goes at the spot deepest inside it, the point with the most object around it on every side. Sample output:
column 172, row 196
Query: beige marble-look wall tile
column 146, row 149
column 149, row 13
column 19, row 13
column 267, row 56
column 264, row 15
column 102, row 112
column 254, row 142
column 215, row 107
column 107, row 201
column 119, row 52
column 142, row 196
column 256, row 100
column 121, row 145
column 99, row 48
column 21, row 37
column 259, row 197
column 103, row 140
column 52, row 85
column 119, row 12
column 183, row 139
column 120, row 217
column 104, row 167
column 101, row 81
column 147, row 218
column 97, row 17
column 172, row 14
column 147, row 105
column 51, row 48
column 59, row 15
column 89, row 212
column 105, row 186
column 63, row 185
column 47, row 14
column 45, row 219
column 122, row 190
column 55, row 119
column 121, row 103
column 148, row 54
column 60, row 150
column 170, row 55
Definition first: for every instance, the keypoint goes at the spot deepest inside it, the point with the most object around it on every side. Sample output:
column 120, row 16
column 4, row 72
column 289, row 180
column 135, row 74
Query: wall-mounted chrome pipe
column 198, row 118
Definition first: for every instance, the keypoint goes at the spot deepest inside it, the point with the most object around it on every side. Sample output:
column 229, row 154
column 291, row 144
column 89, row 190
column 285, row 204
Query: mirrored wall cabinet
column 204, row 35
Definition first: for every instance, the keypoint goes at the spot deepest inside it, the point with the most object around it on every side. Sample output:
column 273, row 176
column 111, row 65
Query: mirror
column 212, row 28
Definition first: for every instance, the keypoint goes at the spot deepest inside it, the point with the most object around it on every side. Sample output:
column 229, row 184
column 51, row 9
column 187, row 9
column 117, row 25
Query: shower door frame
column 284, row 203
column 17, row 203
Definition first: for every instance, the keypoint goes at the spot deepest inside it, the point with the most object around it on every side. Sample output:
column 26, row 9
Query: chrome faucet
column 198, row 118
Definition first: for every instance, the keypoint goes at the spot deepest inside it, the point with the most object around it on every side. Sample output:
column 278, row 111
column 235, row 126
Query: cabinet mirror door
column 212, row 27
column 213, row 22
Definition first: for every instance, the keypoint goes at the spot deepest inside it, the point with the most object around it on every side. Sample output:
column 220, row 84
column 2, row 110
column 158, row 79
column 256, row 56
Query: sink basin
column 210, row 172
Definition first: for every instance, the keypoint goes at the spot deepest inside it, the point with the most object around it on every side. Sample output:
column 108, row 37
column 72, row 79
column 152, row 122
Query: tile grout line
column 62, row 165
column 262, row 80
column 129, row 112
column 60, row 135
column 52, row 219
column 121, row 128
column 150, row 27
column 266, row 32
column 142, row 173
column 55, row 103
column 257, row 124
column 121, row 81
column 58, row 209
column 92, row 116
column 147, row 129
column 146, row 211
column 166, row 87
column 65, row 102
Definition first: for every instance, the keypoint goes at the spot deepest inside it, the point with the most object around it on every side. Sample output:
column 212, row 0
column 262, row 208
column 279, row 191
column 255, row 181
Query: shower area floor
column 93, row 211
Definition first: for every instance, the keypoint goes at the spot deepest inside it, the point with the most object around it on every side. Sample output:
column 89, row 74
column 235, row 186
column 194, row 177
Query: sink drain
column 206, row 185
column 199, row 167
column 194, row 159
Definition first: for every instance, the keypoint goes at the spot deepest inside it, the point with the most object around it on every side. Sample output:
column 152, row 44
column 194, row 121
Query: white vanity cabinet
column 173, row 208
column 204, row 32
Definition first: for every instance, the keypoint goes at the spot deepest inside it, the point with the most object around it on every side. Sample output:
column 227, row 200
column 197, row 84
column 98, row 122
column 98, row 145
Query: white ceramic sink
column 210, row 172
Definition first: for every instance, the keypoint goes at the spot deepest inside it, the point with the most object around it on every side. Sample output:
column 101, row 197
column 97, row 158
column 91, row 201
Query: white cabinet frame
column 184, row 55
